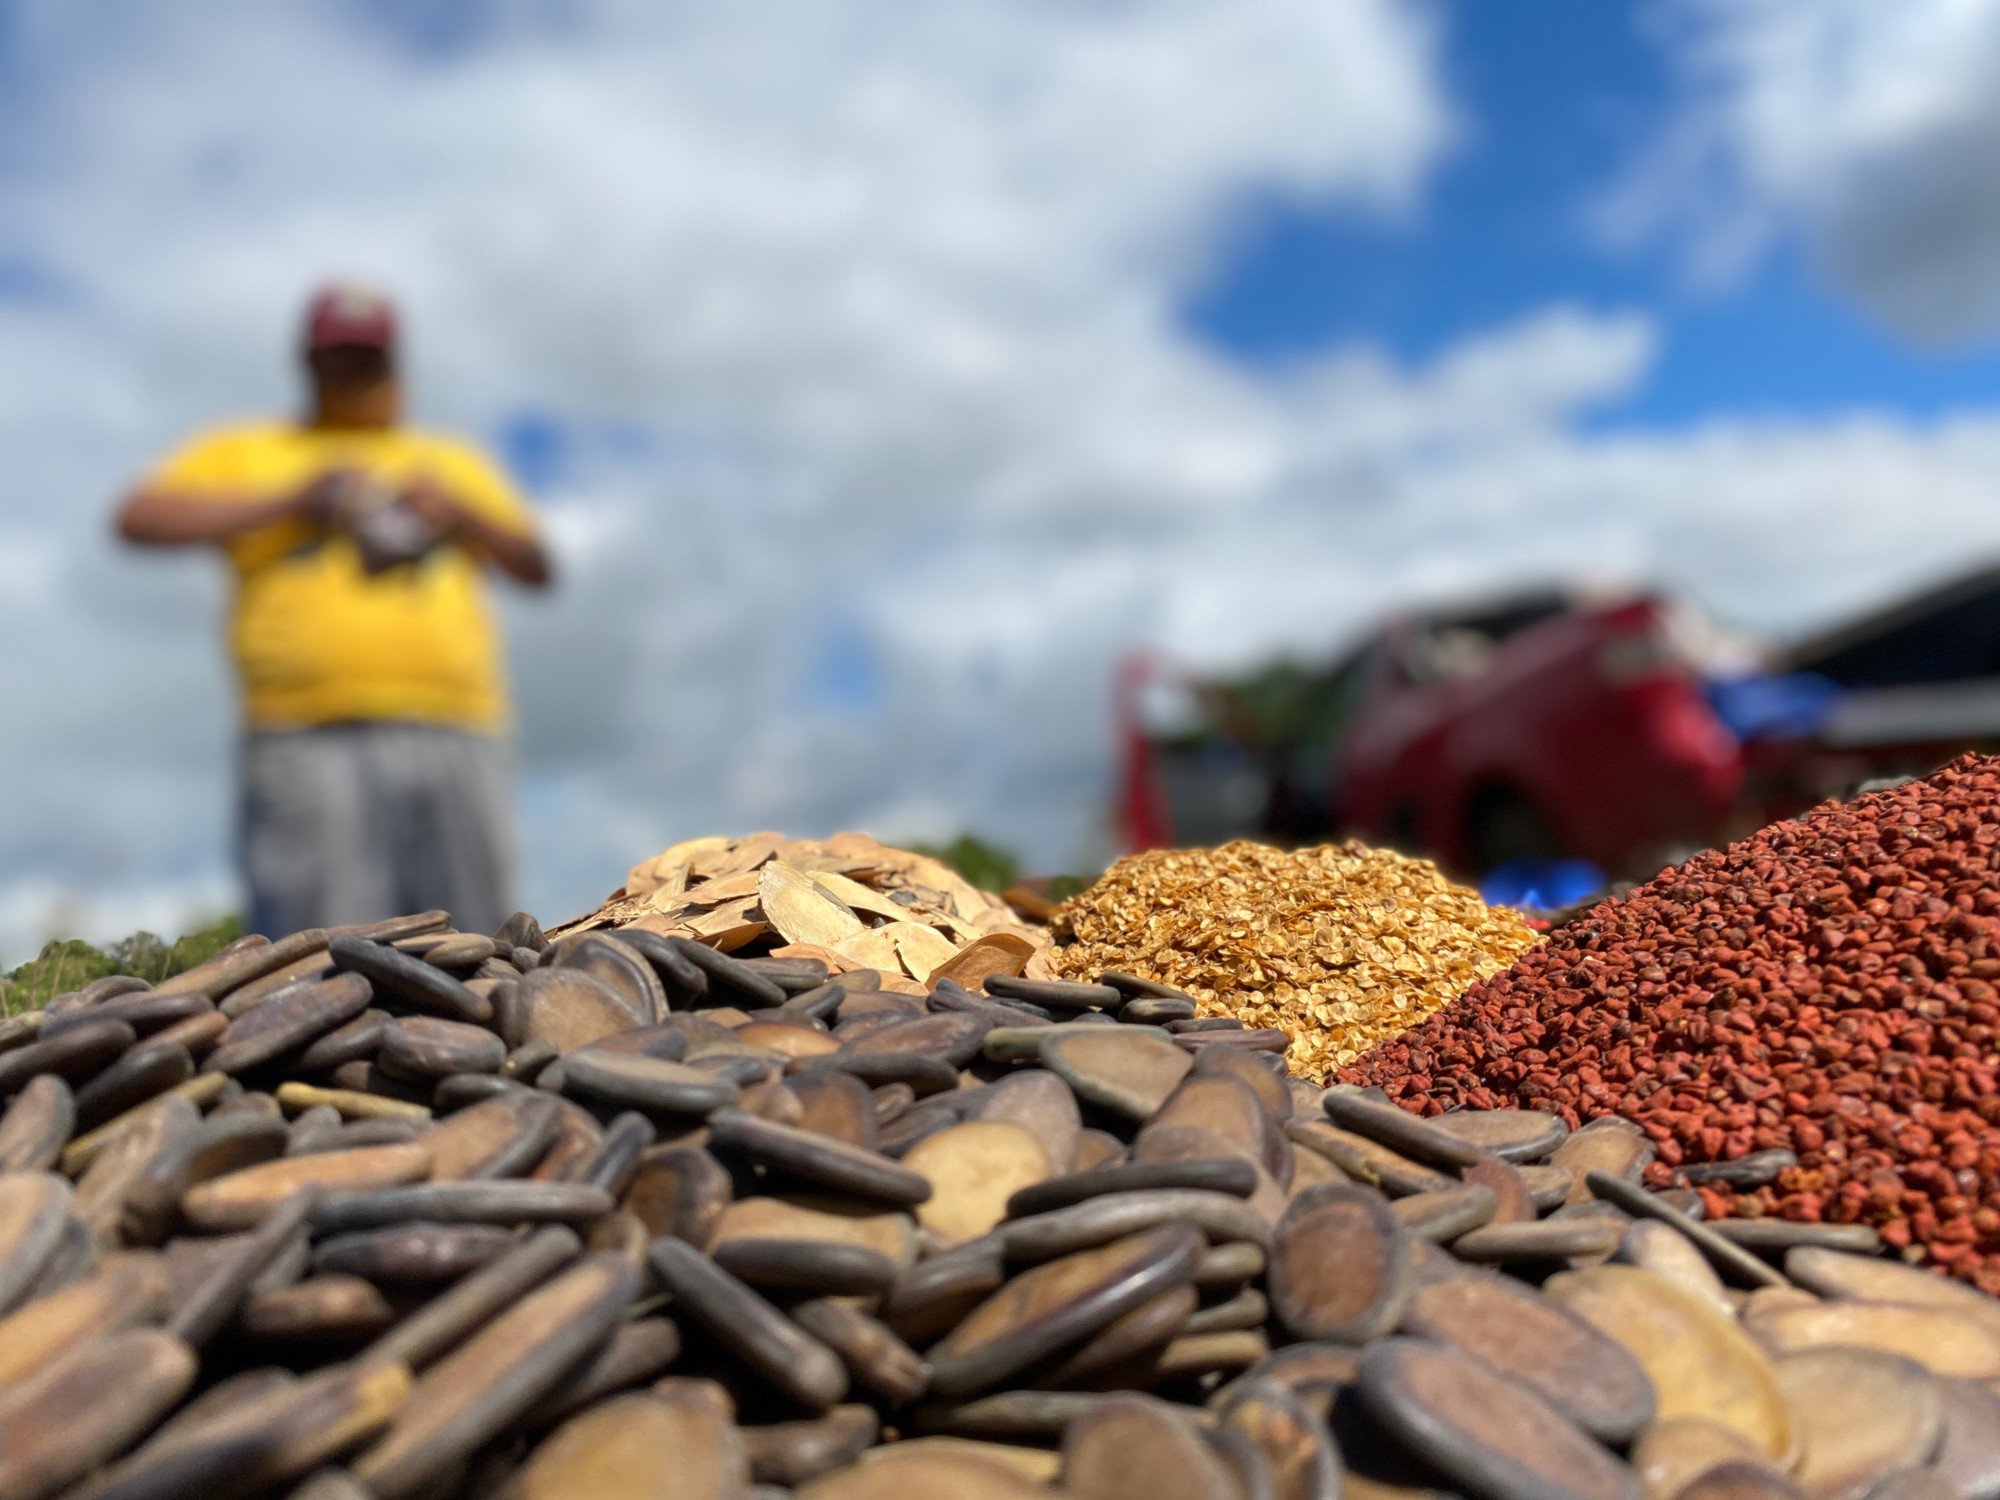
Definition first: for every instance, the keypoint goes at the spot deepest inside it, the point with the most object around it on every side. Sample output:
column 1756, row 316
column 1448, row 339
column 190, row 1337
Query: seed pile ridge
column 1823, row 988
column 1340, row 946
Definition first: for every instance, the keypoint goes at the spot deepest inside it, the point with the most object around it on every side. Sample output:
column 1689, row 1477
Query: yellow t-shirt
column 316, row 639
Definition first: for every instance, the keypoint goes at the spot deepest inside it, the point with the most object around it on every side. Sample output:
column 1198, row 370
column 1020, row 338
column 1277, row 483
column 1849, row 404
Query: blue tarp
column 1782, row 706
column 1541, row 884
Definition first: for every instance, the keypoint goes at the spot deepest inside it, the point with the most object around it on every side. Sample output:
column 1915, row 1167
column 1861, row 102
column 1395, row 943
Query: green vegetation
column 1284, row 707
column 995, row 870
column 72, row 963
column 988, row 868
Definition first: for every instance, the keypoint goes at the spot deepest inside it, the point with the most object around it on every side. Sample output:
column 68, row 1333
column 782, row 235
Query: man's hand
column 520, row 557
column 434, row 505
column 321, row 498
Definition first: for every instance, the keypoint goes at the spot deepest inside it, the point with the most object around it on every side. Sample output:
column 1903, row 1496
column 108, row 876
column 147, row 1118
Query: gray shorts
column 347, row 823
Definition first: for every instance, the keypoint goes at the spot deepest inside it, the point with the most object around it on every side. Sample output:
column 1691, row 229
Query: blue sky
column 1556, row 98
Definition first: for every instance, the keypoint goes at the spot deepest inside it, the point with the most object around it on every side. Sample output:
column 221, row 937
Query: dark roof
column 1943, row 634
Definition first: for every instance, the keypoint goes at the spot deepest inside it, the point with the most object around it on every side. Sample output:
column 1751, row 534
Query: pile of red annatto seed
column 1825, row 987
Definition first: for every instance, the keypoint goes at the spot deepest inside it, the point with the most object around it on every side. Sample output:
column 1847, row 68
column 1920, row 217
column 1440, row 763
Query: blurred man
column 376, row 776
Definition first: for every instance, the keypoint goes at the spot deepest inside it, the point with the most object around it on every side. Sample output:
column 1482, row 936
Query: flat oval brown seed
column 238, row 965
column 1514, row 1203
column 679, row 1191
column 1219, row 1216
column 1133, row 1447
column 1340, row 1267
column 37, row 1125
column 507, row 1134
column 431, row 1047
column 889, row 1474
column 75, row 1053
column 1667, row 1253
column 790, row 1453
column 1516, row 1135
column 457, row 950
column 127, row 1289
column 1740, row 1481
column 497, row 1201
column 470, row 1396
column 637, row 1350
column 1861, row 1278
column 88, row 1408
column 571, row 1008
column 874, row 1356
column 295, row 1098
column 1296, row 1446
column 144, row 1071
column 410, row 980
column 1042, row 1104
column 973, row 1170
column 336, row 1308
column 34, row 1206
column 1492, row 1435
column 1221, row 1104
column 1010, row 1414
column 1399, row 1130
column 288, row 1021
column 836, row 1104
column 1367, row 1161
column 621, row 967
column 818, row 1217
column 953, row 1037
column 756, row 1332
column 453, row 1315
column 1937, row 1338
column 241, row 1199
column 1583, row 1373
column 633, row 1081
column 816, row 1158
column 1539, row 1240
column 413, row 1254
column 1122, row 1069
column 639, row 1448
column 1442, row 1217
column 1861, row 1416
column 133, row 1146
column 1059, row 1304
column 1677, row 1449
column 1701, row 1363
column 1612, row 1144
column 264, row 1440
column 1104, row 1358
column 1231, row 1175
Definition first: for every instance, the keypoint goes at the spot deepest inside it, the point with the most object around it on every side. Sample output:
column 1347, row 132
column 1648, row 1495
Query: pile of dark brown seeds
column 401, row 1212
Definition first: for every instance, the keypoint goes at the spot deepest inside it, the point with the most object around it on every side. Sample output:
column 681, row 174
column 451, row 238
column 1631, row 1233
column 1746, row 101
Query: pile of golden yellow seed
column 1341, row 946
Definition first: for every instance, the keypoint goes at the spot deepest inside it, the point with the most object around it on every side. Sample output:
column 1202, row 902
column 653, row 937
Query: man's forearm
column 169, row 518
column 522, row 558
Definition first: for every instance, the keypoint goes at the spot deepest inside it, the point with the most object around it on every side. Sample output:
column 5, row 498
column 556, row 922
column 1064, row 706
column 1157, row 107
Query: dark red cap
column 347, row 312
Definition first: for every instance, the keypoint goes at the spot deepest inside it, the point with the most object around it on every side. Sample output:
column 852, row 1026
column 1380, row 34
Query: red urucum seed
column 1826, row 986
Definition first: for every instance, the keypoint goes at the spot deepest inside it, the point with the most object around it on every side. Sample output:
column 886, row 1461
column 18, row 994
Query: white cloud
column 1871, row 129
column 880, row 436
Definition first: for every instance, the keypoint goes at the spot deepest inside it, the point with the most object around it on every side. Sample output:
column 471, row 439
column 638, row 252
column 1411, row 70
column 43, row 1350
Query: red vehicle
column 1553, row 726
column 1583, row 732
